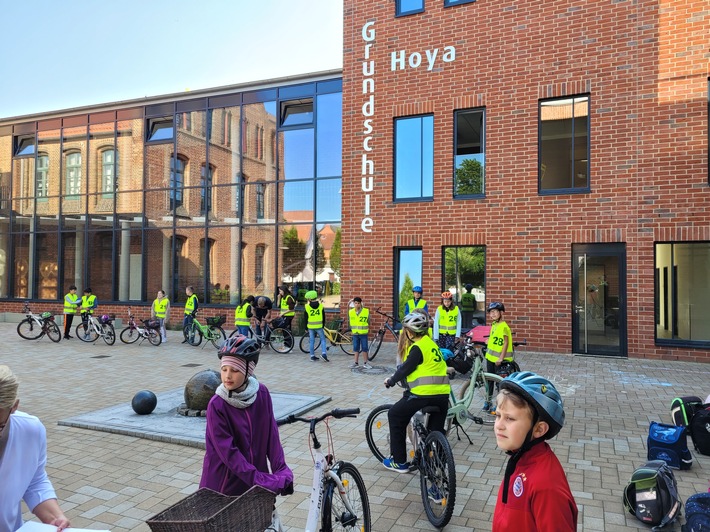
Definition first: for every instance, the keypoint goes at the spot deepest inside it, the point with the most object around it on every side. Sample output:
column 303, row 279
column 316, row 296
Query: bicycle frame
column 323, row 471
column 458, row 408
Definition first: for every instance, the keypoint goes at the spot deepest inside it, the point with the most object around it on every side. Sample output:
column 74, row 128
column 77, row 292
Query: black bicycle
column 388, row 325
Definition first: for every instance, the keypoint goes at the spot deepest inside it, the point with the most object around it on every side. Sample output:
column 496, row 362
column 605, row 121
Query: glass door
column 599, row 299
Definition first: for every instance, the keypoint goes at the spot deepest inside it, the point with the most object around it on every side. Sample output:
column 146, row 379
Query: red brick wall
column 645, row 67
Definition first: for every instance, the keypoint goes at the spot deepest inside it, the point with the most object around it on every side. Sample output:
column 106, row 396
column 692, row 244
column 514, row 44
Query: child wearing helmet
column 500, row 341
column 424, row 369
column 447, row 322
column 315, row 313
column 242, row 445
column 416, row 302
column 534, row 494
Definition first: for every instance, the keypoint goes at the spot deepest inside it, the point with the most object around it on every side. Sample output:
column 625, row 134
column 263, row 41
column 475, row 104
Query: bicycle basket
column 217, row 321
column 105, row 319
column 46, row 315
column 507, row 368
column 152, row 324
column 209, row 511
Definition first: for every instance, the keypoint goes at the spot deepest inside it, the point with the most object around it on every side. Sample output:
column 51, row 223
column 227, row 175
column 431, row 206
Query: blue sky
column 59, row 54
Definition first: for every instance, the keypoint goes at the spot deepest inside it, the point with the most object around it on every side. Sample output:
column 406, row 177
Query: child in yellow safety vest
column 500, row 342
column 447, row 322
column 359, row 318
column 315, row 313
column 160, row 310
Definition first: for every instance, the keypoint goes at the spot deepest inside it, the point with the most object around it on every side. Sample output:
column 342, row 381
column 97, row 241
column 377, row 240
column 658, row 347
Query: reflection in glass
column 224, row 264
column 23, row 171
column 42, row 176
column 298, row 154
column 329, row 135
column 206, row 190
column 328, row 200
column 158, row 264
column 47, row 273
column 224, row 144
column 414, row 157
column 409, row 275
column 258, row 241
column 260, row 202
column 469, row 177
column 157, row 208
column 158, row 163
column 160, row 129
column 177, row 181
column 74, row 142
column 129, row 156
column 466, row 266
column 23, row 271
column 225, row 208
column 258, row 127
column 129, row 256
column 73, row 256
column 297, row 112
column 297, row 197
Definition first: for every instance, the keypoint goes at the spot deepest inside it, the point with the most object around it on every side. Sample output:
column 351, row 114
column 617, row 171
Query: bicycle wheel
column 437, row 479
column 485, row 394
column 345, row 339
column 192, row 334
column 304, row 345
column 376, row 344
column 216, row 336
column 109, row 334
column 29, row 330
column 129, row 335
column 377, row 431
column 86, row 333
column 53, row 332
column 281, row 340
column 336, row 515
column 235, row 332
column 154, row 336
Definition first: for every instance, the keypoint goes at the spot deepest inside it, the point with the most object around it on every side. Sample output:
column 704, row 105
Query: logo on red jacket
column 518, row 485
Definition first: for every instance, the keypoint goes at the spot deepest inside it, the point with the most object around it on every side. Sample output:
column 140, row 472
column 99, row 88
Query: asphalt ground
column 117, row 482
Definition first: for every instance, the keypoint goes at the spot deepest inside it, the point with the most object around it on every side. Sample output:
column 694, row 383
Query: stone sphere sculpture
column 144, row 402
column 200, row 389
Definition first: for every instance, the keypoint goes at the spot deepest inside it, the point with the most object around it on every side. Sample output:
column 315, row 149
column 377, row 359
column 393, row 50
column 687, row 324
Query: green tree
column 320, row 254
column 464, row 265
column 405, row 294
column 335, row 252
column 469, row 177
column 294, row 251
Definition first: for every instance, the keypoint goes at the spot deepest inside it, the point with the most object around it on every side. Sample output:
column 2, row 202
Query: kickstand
column 458, row 426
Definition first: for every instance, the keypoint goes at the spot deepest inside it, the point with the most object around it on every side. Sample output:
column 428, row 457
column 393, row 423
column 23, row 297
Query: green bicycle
column 194, row 332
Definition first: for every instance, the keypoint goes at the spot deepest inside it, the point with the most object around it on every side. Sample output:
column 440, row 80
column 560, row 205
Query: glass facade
column 233, row 195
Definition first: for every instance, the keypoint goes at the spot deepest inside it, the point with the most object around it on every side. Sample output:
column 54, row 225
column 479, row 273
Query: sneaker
column 435, row 495
column 69, row 337
column 354, row 365
column 367, row 365
column 164, row 340
column 389, row 463
column 486, row 406
column 324, row 357
column 314, row 359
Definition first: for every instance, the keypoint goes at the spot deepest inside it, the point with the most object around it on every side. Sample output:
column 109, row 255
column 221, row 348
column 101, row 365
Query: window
column 448, row 3
column 409, row 275
column 409, row 7
column 24, row 146
column 260, row 188
column 259, row 253
column 177, row 181
column 464, row 276
column 414, row 157
column 469, row 153
column 206, row 190
column 297, row 112
column 41, row 173
column 160, row 129
column 564, row 145
column 109, row 165
column 682, row 293
column 73, row 173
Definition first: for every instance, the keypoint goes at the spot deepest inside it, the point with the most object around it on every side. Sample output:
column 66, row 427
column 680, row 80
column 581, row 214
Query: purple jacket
column 238, row 444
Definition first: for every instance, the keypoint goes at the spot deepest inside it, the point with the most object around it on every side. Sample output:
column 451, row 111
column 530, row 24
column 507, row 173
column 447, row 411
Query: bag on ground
column 700, row 430
column 669, row 443
column 683, row 408
column 697, row 513
column 652, row 494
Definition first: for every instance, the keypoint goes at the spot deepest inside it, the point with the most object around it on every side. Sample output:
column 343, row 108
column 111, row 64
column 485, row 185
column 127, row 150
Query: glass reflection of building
column 232, row 193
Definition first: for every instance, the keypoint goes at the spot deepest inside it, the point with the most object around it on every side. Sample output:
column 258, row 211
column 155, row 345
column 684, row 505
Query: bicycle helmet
column 416, row 321
column 469, row 286
column 240, row 346
column 105, row 318
column 311, row 294
column 496, row 306
column 418, row 289
column 446, row 295
column 447, row 353
column 542, row 395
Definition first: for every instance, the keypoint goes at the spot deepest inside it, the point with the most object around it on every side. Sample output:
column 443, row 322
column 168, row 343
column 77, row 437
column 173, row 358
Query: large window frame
column 409, row 265
column 42, row 176
column 414, row 163
column 178, row 168
column 470, row 153
column 72, row 173
column 408, row 7
column 109, row 171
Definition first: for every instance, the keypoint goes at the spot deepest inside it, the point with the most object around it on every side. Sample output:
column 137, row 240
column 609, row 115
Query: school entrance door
column 599, row 299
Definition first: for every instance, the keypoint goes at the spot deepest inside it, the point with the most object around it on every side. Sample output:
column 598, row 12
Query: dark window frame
column 155, row 125
column 399, row 13
column 69, row 187
column 394, row 154
column 259, row 257
column 177, row 184
column 21, row 143
column 106, row 191
column 43, row 173
column 457, row 114
column 452, row 3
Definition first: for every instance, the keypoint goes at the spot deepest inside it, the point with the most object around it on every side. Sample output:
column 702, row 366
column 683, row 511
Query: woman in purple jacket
column 242, row 438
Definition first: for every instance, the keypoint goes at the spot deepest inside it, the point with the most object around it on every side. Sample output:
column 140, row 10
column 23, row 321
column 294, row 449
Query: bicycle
column 212, row 331
column 380, row 335
column 338, row 495
column 133, row 332
column 431, row 454
column 35, row 326
column 279, row 339
column 94, row 328
column 336, row 335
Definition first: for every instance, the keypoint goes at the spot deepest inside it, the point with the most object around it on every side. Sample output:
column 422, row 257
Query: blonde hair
column 406, row 340
column 518, row 401
column 8, row 388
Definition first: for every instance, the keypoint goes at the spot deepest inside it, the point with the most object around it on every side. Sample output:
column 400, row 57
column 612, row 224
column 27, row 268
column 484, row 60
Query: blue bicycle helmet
column 540, row 393
column 418, row 289
column 447, row 353
column 496, row 306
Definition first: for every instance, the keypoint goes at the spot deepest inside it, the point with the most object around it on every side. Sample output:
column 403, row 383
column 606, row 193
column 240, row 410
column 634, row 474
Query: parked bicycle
column 388, row 325
column 430, row 453
column 336, row 335
column 94, row 328
column 212, row 331
column 279, row 339
column 35, row 326
column 134, row 332
column 338, row 494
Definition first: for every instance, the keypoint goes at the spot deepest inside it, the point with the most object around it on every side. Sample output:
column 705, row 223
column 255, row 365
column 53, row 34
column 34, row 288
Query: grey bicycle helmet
column 416, row 321
column 242, row 347
column 542, row 394
column 496, row 306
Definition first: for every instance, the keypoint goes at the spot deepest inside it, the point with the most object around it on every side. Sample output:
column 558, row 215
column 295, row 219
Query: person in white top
column 23, row 456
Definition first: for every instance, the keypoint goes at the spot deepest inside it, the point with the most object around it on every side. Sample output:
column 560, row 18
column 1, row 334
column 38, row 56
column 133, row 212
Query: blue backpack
column 669, row 443
column 697, row 513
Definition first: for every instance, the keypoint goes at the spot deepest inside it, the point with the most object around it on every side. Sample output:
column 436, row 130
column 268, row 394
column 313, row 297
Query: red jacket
column 539, row 498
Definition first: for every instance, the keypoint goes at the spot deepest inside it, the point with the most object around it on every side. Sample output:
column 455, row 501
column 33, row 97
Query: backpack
column 683, row 408
column 697, row 513
column 652, row 494
column 699, row 429
column 669, row 443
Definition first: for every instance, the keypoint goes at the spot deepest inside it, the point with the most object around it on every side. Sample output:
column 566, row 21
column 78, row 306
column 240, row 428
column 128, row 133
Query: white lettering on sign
column 367, row 167
column 399, row 60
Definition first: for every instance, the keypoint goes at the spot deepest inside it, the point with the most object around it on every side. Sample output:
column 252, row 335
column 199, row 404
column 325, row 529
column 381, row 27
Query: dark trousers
column 68, row 319
column 403, row 410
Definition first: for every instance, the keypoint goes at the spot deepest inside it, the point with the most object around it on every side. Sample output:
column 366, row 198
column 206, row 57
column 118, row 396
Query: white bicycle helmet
column 416, row 321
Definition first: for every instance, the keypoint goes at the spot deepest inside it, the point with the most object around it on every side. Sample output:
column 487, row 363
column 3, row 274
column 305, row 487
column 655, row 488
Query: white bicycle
column 338, row 496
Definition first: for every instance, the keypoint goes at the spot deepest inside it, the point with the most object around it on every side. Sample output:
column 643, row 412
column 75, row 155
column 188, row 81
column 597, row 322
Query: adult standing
column 23, row 455
column 161, row 311
column 71, row 304
column 262, row 313
column 191, row 306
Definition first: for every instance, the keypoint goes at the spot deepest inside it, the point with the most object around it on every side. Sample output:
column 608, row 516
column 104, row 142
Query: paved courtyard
column 116, row 482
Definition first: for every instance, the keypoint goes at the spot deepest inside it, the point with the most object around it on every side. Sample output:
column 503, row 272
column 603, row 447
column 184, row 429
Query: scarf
column 241, row 399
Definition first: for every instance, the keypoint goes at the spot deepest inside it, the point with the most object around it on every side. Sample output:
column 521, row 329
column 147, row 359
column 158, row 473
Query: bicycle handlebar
column 386, row 315
column 336, row 413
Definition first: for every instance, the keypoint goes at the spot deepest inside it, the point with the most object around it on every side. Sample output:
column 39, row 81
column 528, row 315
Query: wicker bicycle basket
column 209, row 511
